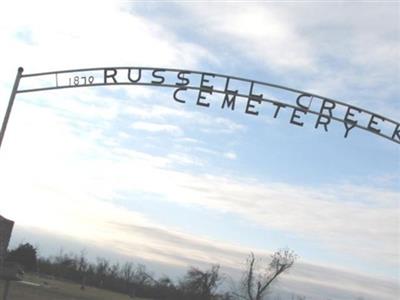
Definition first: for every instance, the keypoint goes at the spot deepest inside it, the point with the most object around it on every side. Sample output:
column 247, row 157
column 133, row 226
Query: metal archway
column 208, row 84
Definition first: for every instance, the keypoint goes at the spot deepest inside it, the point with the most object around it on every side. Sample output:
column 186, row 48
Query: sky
column 126, row 172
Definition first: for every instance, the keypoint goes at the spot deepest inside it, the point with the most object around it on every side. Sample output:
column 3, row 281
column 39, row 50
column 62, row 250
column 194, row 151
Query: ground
column 51, row 289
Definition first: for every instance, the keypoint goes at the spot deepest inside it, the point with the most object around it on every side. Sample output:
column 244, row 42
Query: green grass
column 51, row 289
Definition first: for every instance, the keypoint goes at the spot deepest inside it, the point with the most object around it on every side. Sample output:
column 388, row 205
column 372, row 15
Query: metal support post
column 10, row 104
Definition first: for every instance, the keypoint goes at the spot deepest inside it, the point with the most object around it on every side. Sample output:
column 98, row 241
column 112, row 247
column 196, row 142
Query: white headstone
column 6, row 227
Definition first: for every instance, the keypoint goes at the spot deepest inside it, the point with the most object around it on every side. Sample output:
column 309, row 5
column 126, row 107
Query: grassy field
column 51, row 289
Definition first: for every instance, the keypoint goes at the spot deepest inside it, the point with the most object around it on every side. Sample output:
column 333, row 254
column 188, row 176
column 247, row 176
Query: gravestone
column 6, row 227
column 7, row 273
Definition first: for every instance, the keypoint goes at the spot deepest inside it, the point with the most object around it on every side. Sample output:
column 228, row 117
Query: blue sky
column 133, row 174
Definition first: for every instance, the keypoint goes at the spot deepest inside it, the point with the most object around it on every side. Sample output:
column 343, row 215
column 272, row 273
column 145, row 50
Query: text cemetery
column 225, row 92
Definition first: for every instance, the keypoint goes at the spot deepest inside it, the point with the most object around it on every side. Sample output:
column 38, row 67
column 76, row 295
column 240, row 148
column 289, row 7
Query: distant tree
column 102, row 269
column 127, row 273
column 25, row 255
column 299, row 297
column 226, row 296
column 82, row 268
column 82, row 262
column 66, row 266
column 114, row 270
column 141, row 276
column 164, row 288
column 202, row 283
column 143, row 281
column 165, row 281
column 256, row 281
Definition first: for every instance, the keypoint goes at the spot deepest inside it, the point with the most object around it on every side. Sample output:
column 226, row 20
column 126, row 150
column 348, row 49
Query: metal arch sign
column 211, row 89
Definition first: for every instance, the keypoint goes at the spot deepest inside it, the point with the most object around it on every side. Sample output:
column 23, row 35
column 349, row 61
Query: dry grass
column 51, row 289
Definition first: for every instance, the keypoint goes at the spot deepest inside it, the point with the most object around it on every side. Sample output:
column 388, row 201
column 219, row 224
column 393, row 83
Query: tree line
column 136, row 280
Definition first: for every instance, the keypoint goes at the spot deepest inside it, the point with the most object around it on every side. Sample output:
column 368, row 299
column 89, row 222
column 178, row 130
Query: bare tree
column 136, row 278
column 114, row 270
column 82, row 268
column 141, row 276
column 256, row 281
column 202, row 283
column 102, row 269
column 127, row 273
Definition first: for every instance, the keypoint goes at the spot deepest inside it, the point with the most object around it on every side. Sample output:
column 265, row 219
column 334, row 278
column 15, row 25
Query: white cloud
column 204, row 121
column 155, row 112
column 155, row 127
column 226, row 125
column 339, row 50
column 65, row 36
column 185, row 159
column 230, row 155
column 261, row 32
column 344, row 217
column 73, row 197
